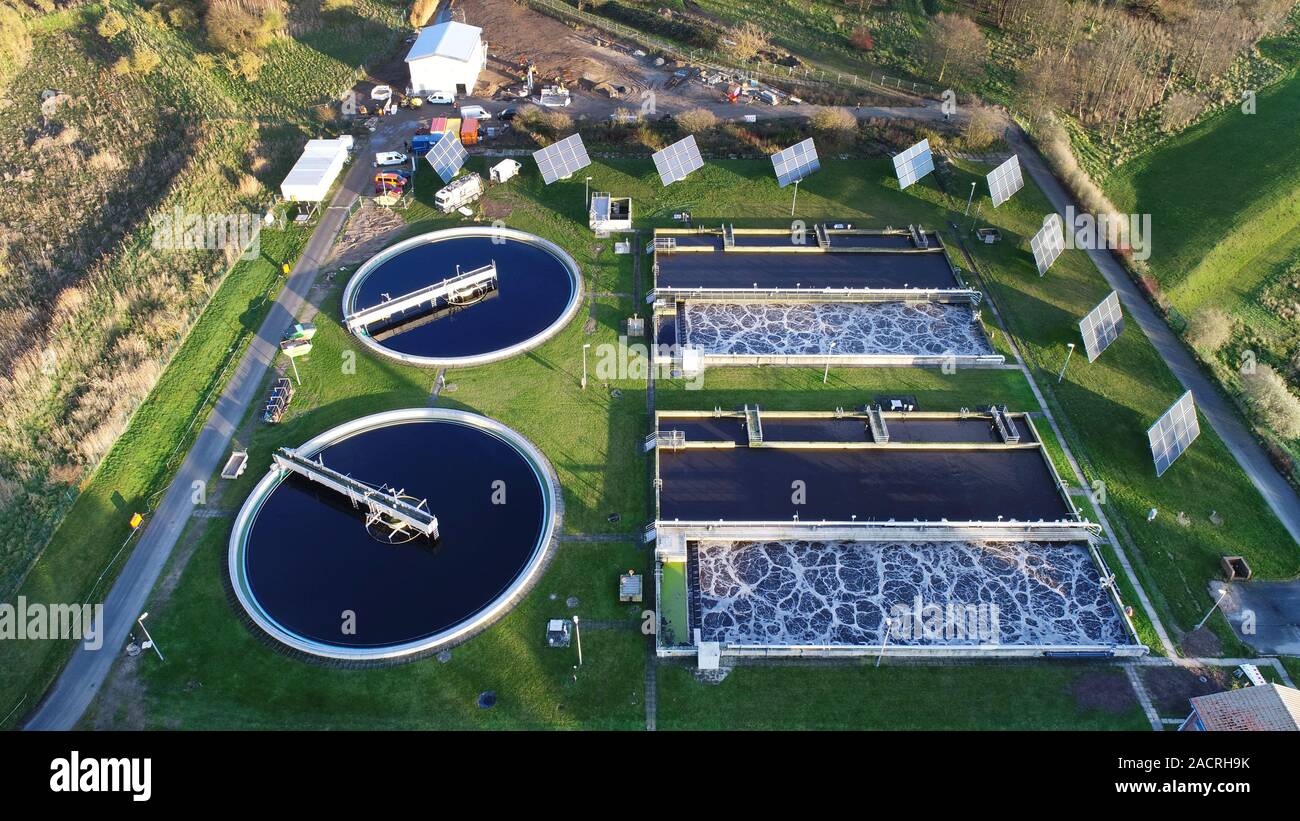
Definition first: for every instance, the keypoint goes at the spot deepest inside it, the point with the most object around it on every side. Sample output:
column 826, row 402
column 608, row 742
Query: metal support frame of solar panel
column 1173, row 432
column 1005, row 180
column 447, row 156
column 913, row 164
column 678, row 160
column 1102, row 326
column 1048, row 243
column 796, row 162
column 561, row 158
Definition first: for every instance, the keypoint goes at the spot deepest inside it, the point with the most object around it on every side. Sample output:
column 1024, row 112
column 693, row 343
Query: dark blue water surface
column 309, row 557
column 534, row 288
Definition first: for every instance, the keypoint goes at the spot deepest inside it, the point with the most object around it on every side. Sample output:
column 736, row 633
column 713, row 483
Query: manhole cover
column 572, row 602
column 133, row 649
column 444, row 656
column 487, row 700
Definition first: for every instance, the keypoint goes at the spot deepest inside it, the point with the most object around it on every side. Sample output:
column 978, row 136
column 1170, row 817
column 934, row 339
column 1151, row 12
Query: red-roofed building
column 1260, row 708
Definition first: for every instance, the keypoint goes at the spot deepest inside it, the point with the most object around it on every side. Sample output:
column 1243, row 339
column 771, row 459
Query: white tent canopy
column 311, row 177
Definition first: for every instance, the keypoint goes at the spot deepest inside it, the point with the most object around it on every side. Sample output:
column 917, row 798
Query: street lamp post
column 969, row 200
column 1065, row 364
column 584, row 364
column 889, row 625
column 826, row 373
column 577, row 633
column 586, row 193
column 149, row 642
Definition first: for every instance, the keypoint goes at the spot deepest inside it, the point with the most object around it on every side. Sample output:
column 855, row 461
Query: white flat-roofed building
column 316, row 169
column 447, row 57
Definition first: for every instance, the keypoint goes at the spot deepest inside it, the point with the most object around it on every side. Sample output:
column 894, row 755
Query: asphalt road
column 1213, row 405
column 87, row 670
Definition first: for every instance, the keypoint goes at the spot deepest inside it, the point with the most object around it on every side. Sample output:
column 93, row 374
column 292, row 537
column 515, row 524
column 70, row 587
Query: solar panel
column 447, row 156
column 796, row 162
column 913, row 164
column 1102, row 326
column 560, row 159
column 1048, row 243
column 1173, row 432
column 678, row 160
column 1005, row 180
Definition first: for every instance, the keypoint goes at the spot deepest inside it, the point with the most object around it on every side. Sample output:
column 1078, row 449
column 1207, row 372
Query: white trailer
column 504, row 170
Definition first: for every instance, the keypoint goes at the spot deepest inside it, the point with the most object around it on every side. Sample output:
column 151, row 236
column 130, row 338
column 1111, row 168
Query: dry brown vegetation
column 1209, row 329
column 1107, row 64
column 240, row 26
column 1268, row 395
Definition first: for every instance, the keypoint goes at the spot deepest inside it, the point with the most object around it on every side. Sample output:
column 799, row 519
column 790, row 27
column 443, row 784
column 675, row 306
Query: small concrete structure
column 629, row 587
column 235, row 465
column 447, row 57
column 609, row 214
column 504, row 170
column 557, row 633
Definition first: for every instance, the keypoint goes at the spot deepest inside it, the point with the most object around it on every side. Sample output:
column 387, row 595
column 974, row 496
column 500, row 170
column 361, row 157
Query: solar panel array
column 561, row 158
column 1048, row 243
column 1005, row 180
column 678, row 160
column 796, row 162
column 1102, row 326
column 447, row 156
column 913, row 164
column 1173, row 432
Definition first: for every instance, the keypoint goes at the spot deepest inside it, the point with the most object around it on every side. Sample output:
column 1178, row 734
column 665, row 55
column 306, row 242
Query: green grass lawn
column 1040, row 696
column 217, row 674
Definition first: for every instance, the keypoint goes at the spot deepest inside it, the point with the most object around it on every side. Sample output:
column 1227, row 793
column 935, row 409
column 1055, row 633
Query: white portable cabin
column 609, row 213
column 315, row 171
column 447, row 57
column 504, row 170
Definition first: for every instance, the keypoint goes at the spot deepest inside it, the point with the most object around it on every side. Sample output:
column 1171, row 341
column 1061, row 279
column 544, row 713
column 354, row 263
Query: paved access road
column 1213, row 405
column 85, row 673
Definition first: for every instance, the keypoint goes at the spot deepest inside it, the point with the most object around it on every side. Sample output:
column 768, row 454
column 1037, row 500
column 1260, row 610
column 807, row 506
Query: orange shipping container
column 469, row 131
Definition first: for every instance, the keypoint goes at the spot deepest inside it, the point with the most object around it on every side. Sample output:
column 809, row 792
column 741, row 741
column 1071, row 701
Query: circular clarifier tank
column 347, row 581
column 467, row 296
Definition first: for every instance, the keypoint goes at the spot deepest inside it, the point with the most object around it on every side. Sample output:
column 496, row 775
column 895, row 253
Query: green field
column 218, row 675
column 1224, row 200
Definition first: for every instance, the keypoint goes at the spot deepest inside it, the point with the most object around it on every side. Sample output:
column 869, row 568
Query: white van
column 474, row 112
column 440, row 98
column 390, row 158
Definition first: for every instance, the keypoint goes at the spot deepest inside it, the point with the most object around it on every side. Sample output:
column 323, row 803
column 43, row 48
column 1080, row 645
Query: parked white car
column 476, row 112
column 390, row 158
column 440, row 98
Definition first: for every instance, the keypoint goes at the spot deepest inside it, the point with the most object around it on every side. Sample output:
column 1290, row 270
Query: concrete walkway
column 85, row 673
column 1213, row 405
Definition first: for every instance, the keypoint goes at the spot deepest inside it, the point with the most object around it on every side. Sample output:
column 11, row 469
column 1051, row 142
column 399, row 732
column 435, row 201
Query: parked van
column 440, row 98
column 389, row 158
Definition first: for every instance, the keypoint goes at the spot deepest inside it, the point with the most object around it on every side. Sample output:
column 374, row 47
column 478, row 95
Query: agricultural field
column 219, row 675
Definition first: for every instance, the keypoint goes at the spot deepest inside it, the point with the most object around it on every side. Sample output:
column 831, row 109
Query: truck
column 459, row 192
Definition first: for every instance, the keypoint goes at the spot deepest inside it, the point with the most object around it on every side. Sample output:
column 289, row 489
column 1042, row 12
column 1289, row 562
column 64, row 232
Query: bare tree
column 954, row 42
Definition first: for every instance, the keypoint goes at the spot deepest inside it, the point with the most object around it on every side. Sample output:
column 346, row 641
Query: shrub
column 747, row 40
column 15, row 42
column 836, row 127
column 695, row 120
column 981, row 129
column 421, row 11
column 243, row 25
column 335, row 5
column 862, row 40
column 1209, row 329
column 1268, row 395
column 144, row 61
column 111, row 24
